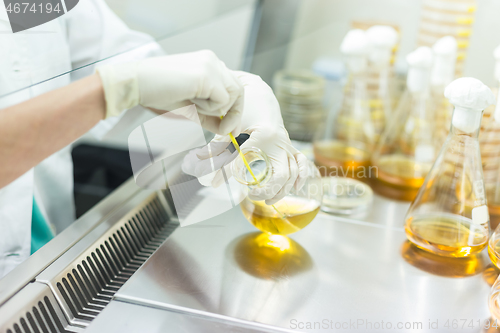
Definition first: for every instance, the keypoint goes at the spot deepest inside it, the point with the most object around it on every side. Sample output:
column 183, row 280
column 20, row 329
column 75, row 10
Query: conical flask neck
column 359, row 103
column 383, row 81
column 419, row 107
column 259, row 164
column 466, row 122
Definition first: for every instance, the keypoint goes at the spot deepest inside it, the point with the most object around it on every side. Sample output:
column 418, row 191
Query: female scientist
column 38, row 124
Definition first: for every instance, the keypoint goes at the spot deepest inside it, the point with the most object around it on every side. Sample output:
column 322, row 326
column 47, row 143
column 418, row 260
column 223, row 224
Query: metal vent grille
column 42, row 314
column 88, row 283
column 41, row 318
column 87, row 288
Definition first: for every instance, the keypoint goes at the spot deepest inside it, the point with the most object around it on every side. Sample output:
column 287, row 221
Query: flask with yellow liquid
column 292, row 213
column 408, row 146
column 449, row 216
column 343, row 146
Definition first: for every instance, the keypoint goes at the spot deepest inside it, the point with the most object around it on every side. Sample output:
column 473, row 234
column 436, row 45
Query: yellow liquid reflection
column 490, row 274
column 271, row 256
column 494, row 251
column 448, row 236
column 299, row 212
column 442, row 266
column 491, row 325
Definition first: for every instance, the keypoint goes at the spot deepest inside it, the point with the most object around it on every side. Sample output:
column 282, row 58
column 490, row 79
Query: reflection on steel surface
column 443, row 266
column 120, row 317
column 178, row 273
column 270, row 257
column 271, row 275
column 490, row 274
column 358, row 272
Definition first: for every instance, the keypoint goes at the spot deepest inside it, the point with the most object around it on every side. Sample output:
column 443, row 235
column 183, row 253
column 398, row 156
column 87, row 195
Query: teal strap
column 41, row 233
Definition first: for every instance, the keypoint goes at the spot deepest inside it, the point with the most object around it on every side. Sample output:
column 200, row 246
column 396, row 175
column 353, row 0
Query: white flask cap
column 445, row 56
column 420, row 63
column 382, row 39
column 469, row 96
column 355, row 47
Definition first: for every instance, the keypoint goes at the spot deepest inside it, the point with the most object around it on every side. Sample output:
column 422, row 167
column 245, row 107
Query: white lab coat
column 87, row 33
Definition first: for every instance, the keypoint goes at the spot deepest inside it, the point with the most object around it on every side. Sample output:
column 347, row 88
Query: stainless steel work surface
column 337, row 272
column 122, row 317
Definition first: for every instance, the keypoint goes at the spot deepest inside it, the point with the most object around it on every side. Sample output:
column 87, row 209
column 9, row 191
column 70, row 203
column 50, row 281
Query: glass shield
column 90, row 168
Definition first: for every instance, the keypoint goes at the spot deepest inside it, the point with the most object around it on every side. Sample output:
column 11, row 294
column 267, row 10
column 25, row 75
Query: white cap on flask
column 355, row 47
column 445, row 57
column 469, row 96
column 382, row 39
column 420, row 63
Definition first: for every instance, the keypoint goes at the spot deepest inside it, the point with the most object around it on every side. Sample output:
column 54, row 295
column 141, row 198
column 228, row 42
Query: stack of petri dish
column 300, row 95
column 448, row 18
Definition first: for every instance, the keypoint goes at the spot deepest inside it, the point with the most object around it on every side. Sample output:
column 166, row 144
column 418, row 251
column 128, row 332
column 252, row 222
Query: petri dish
column 345, row 196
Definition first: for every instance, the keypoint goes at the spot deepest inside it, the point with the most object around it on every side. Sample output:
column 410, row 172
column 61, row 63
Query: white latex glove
column 262, row 120
column 170, row 82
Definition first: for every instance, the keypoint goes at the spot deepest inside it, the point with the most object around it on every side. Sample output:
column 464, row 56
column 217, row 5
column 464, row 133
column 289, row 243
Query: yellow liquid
column 402, row 171
column 299, row 212
column 335, row 158
column 447, row 236
column 399, row 177
column 494, row 211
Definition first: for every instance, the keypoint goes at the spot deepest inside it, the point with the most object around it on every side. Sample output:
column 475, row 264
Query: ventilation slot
column 90, row 283
column 41, row 318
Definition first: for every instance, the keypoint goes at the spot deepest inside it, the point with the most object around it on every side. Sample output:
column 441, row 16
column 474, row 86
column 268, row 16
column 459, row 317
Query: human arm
column 37, row 128
column 33, row 130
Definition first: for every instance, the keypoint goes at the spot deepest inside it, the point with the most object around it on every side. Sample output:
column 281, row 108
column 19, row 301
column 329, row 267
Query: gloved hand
column 262, row 120
column 170, row 82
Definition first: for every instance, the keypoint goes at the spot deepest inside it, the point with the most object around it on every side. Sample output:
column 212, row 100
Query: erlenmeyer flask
column 292, row 213
column 449, row 216
column 408, row 147
column 382, row 39
column 489, row 141
column 343, row 147
column 442, row 73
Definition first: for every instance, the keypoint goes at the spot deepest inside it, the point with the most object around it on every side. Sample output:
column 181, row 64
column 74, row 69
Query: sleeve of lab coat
column 96, row 34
